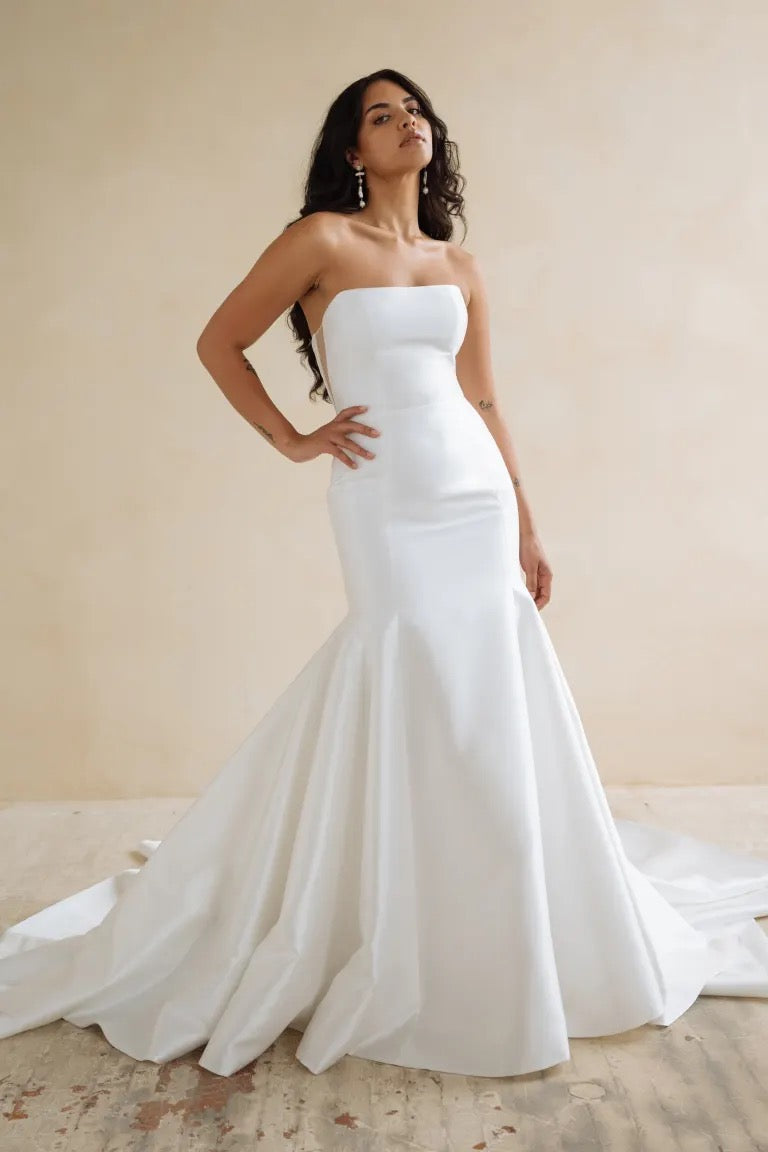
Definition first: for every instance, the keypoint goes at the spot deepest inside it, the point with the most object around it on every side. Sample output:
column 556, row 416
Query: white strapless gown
column 411, row 857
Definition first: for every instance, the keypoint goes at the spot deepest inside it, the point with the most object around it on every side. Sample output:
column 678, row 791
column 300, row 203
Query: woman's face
column 389, row 116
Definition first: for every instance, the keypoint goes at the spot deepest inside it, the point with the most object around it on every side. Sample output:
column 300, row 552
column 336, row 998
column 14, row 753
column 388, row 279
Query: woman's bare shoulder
column 459, row 252
column 324, row 225
column 461, row 262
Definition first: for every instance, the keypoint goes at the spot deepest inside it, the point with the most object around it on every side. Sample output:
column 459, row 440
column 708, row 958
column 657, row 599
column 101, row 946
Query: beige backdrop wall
column 166, row 574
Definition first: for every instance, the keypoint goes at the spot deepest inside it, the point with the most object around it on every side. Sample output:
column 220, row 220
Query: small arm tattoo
column 259, row 427
column 515, row 482
column 486, row 403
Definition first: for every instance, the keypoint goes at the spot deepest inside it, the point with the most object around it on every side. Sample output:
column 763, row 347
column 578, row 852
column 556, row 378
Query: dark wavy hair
column 330, row 184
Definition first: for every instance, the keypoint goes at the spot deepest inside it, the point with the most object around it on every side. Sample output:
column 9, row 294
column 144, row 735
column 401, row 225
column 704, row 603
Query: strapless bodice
column 393, row 349
column 392, row 346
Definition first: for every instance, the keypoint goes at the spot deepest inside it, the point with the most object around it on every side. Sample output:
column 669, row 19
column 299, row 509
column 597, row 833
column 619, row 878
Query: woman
column 411, row 857
column 400, row 236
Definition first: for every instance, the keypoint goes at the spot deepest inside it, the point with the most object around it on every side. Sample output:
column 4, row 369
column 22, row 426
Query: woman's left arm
column 475, row 374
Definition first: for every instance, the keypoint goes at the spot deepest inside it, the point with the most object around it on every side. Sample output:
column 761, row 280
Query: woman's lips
column 412, row 140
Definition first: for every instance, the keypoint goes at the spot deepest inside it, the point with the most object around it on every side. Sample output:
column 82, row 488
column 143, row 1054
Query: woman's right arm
column 286, row 269
column 284, row 272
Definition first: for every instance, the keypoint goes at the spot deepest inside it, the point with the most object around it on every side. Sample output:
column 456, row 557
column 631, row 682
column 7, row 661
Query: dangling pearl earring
column 359, row 175
column 424, row 182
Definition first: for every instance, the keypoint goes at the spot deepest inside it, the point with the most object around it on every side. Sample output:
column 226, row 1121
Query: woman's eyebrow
column 386, row 104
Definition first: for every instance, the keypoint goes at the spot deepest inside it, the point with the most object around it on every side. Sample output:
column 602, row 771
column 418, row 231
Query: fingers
column 365, row 429
column 538, row 581
column 351, row 446
column 344, row 424
column 350, row 411
column 339, row 455
column 345, row 417
column 544, row 589
column 356, row 426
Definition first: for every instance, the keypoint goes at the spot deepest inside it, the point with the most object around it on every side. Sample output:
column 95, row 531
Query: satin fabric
column 411, row 857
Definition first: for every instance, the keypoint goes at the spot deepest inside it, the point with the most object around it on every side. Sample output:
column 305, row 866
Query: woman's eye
column 384, row 114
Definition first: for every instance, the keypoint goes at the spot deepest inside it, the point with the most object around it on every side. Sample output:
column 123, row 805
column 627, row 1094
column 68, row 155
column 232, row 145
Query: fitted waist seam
column 372, row 406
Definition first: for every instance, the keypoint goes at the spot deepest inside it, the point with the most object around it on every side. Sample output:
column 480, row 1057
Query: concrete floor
column 700, row 1085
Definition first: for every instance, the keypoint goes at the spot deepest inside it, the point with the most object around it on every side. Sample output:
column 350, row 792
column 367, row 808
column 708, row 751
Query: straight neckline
column 381, row 288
